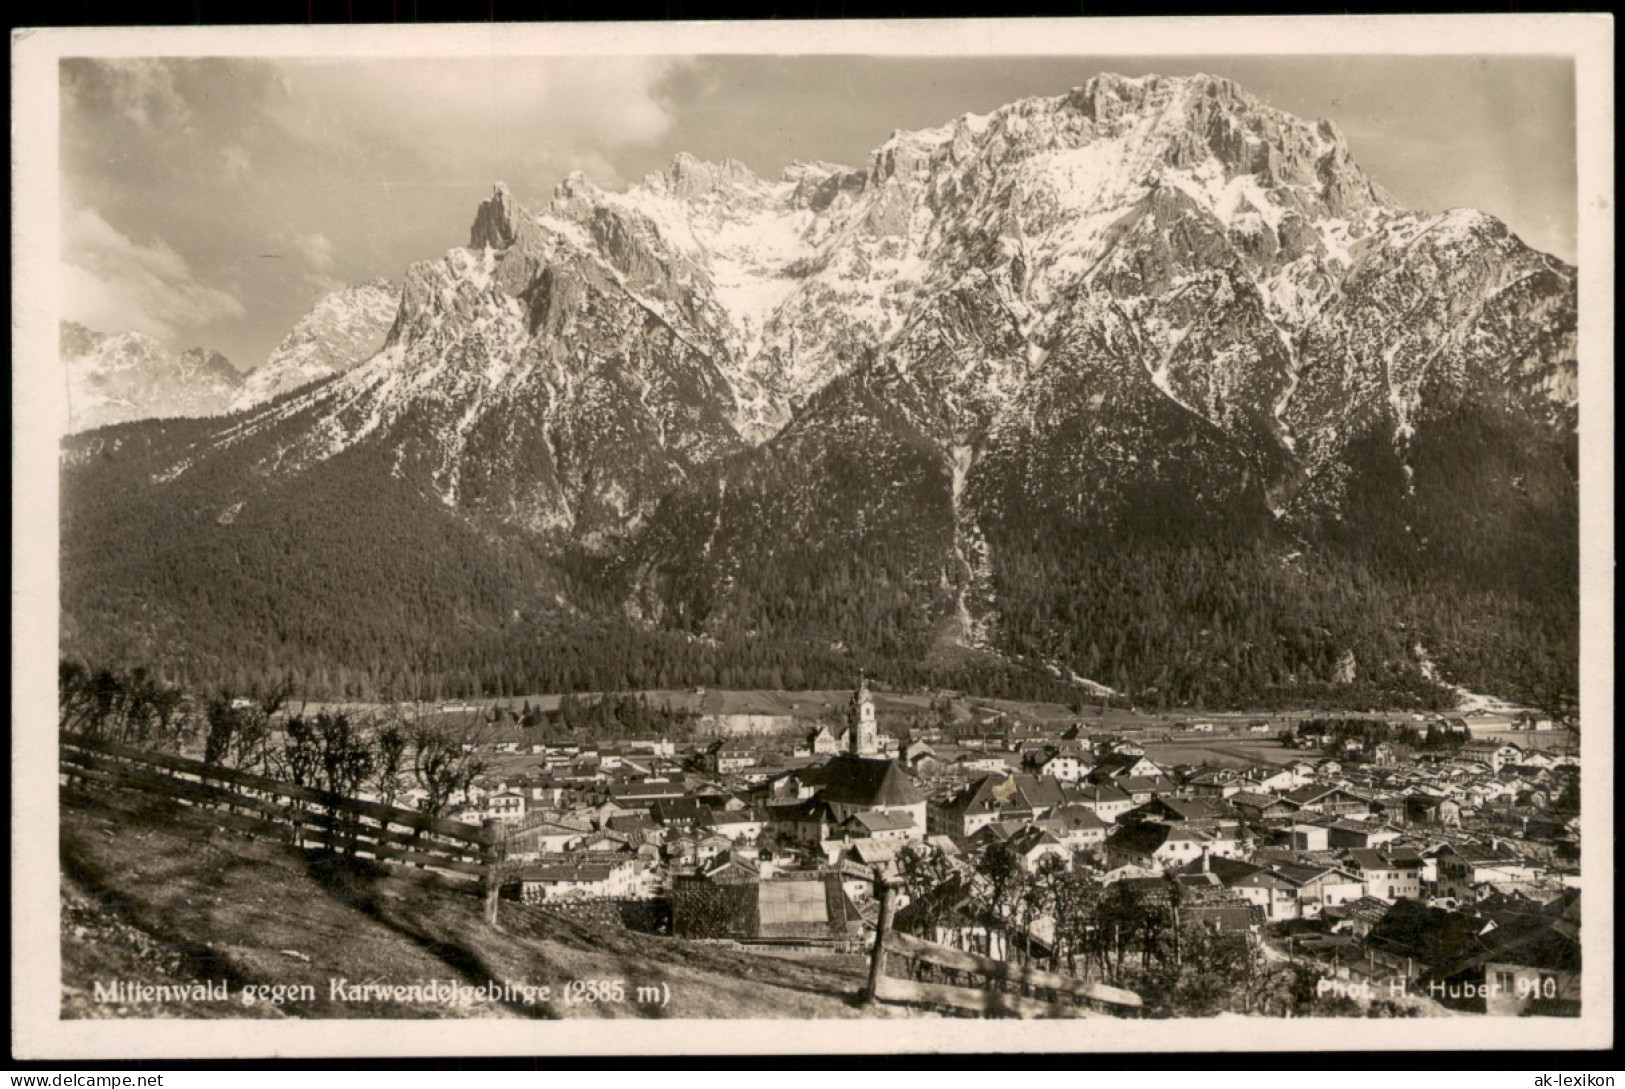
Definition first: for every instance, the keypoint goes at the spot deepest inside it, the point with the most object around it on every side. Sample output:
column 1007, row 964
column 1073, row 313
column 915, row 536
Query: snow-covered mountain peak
column 497, row 222
column 690, row 177
column 343, row 329
column 132, row 376
column 1167, row 244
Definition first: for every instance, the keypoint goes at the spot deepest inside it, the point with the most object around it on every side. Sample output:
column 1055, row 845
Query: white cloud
column 316, row 249
column 115, row 284
column 451, row 110
column 144, row 91
column 235, row 162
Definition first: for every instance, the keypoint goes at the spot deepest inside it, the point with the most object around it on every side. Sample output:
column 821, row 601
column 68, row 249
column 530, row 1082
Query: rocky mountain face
column 889, row 412
column 344, row 328
column 131, row 376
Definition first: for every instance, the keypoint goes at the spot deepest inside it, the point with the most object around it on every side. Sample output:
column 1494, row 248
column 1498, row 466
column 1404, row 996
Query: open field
column 1238, row 753
column 156, row 894
column 1227, row 744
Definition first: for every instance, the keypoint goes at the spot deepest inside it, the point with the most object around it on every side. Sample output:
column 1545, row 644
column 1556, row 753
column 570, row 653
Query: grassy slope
column 154, row 893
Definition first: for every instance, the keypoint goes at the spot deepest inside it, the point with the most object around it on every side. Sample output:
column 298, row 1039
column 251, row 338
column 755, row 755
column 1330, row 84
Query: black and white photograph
column 1078, row 535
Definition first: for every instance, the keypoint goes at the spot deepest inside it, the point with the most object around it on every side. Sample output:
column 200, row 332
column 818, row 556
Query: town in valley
column 1308, row 864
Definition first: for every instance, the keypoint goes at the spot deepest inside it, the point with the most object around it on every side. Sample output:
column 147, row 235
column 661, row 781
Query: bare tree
column 1002, row 878
column 445, row 764
column 1034, row 898
column 1074, row 895
column 923, row 871
column 389, row 768
column 332, row 753
column 240, row 730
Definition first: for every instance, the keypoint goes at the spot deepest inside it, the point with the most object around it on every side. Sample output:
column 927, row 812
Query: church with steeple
column 862, row 736
column 861, row 779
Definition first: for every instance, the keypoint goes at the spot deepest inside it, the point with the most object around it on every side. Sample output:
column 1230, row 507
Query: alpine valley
column 1145, row 391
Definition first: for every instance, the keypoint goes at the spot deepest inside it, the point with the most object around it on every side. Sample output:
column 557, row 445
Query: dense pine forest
column 354, row 585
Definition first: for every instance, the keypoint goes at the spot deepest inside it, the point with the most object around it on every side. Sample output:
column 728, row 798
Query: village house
column 1274, row 894
column 1159, row 846
column 544, row 837
column 1077, row 827
column 1493, row 754
column 879, row 825
column 507, row 806
column 634, row 826
column 819, row 742
column 1464, row 871
column 1141, row 791
column 1348, row 833
column 639, row 793
column 1358, row 917
column 1320, row 887
column 1391, row 874
column 1121, row 746
column 680, row 814
column 1032, row 845
column 1269, row 780
column 687, row 850
column 1308, row 836
column 1532, row 966
column 725, row 756
column 741, row 825
column 1333, row 801
column 599, row 879
column 1117, row 766
column 1062, row 766
column 1426, row 809
column 1212, row 783
column 606, row 842
column 997, row 797
column 1108, row 803
column 1196, row 812
column 1256, row 807
column 923, row 763
column 1424, row 945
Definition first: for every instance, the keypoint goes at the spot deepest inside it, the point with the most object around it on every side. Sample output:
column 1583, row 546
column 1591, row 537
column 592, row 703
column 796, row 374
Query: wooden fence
column 1000, row 989
column 303, row 816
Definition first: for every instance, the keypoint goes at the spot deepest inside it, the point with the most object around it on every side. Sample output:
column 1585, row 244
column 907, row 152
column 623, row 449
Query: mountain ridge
column 1155, row 308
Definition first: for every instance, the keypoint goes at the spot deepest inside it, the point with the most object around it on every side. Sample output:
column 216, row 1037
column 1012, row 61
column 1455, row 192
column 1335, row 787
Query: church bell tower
column 861, row 735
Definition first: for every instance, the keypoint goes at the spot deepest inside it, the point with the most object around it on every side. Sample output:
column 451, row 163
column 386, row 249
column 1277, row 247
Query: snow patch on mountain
column 343, row 329
column 131, row 376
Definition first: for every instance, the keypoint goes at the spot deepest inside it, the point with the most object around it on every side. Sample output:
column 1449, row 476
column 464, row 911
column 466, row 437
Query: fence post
column 493, row 870
column 877, row 956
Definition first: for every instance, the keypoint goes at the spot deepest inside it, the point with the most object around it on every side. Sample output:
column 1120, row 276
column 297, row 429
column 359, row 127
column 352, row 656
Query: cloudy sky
column 210, row 201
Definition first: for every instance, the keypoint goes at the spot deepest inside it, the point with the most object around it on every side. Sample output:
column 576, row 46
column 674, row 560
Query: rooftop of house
column 1147, row 836
column 595, row 871
column 863, row 781
column 1257, row 801
column 806, row 906
column 875, row 823
column 1376, row 858
column 1073, row 818
column 1099, row 794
